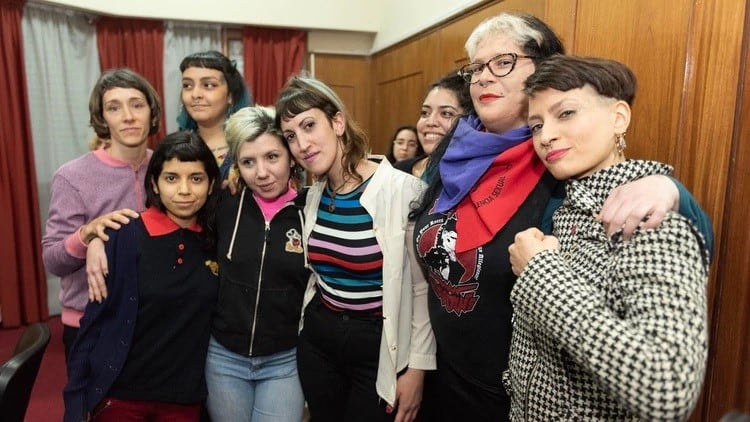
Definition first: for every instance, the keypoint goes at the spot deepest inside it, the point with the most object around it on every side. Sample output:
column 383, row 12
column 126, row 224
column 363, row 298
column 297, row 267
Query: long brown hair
column 302, row 93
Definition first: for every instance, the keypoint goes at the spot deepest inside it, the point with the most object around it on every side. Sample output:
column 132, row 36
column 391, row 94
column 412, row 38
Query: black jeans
column 337, row 360
column 449, row 397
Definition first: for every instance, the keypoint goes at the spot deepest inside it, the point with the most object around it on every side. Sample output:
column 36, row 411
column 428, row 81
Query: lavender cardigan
column 83, row 189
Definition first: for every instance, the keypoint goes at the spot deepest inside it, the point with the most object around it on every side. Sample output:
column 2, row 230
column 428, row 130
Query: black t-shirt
column 469, row 296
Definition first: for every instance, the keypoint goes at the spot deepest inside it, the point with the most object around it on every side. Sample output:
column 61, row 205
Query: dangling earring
column 620, row 142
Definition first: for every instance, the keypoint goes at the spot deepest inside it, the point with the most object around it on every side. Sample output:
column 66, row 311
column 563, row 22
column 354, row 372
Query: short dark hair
column 121, row 78
column 456, row 84
column 238, row 90
column 186, row 146
column 609, row 78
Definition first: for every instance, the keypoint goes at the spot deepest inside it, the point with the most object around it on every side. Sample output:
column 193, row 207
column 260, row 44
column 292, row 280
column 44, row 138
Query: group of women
column 528, row 271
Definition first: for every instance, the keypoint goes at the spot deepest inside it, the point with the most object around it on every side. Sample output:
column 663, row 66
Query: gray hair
column 533, row 36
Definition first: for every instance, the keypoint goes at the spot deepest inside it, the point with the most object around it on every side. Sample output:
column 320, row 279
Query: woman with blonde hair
column 251, row 368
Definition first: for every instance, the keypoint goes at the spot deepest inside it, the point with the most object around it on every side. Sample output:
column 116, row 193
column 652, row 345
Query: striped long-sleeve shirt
column 344, row 252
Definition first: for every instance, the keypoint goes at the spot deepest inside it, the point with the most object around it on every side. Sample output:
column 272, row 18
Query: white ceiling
column 358, row 26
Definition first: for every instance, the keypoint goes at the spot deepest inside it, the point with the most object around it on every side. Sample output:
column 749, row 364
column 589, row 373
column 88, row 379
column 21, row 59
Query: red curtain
column 271, row 56
column 139, row 45
column 23, row 284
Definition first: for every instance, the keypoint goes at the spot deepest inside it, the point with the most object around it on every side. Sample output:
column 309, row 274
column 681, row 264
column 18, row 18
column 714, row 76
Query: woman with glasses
column 404, row 145
column 485, row 185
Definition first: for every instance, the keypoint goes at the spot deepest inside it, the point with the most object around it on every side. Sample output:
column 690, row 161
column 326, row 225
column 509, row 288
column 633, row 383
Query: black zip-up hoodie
column 262, row 276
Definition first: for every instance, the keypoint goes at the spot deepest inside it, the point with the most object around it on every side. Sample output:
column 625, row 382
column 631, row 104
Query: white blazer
column 407, row 338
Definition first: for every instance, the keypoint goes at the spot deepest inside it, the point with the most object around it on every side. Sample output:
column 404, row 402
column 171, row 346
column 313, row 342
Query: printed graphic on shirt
column 213, row 266
column 453, row 277
column 294, row 241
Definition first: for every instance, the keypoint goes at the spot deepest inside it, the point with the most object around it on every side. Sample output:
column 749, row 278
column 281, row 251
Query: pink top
column 270, row 207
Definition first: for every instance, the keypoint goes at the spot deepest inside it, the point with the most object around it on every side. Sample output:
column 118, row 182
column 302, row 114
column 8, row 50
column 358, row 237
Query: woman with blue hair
column 212, row 90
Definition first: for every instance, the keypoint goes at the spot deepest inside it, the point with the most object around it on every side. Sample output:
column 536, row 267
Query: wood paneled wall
column 349, row 76
column 728, row 378
column 691, row 110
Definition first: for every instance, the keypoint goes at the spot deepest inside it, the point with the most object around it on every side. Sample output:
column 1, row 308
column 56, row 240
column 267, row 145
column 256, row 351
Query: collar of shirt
column 159, row 224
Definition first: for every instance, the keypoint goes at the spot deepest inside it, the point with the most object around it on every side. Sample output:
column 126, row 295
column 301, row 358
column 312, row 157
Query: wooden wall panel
column 399, row 80
column 728, row 379
column 650, row 38
column 417, row 56
column 707, row 119
column 686, row 55
column 349, row 76
column 560, row 15
column 396, row 104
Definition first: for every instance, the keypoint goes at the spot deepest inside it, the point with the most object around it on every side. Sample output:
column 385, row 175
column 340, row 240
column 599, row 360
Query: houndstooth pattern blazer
column 606, row 329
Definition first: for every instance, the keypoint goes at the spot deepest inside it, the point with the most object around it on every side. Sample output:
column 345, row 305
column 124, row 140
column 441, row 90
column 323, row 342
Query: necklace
column 221, row 148
column 332, row 195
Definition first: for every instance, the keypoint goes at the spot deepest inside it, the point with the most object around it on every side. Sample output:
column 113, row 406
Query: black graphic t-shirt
column 469, row 297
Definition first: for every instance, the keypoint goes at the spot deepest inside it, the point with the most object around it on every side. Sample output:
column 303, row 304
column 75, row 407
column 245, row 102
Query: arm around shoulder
column 423, row 344
column 691, row 209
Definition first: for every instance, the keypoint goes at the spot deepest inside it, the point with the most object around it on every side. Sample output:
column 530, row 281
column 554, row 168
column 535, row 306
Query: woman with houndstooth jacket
column 604, row 328
column 485, row 184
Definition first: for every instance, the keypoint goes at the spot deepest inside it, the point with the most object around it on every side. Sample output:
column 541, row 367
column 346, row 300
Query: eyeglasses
column 408, row 144
column 500, row 65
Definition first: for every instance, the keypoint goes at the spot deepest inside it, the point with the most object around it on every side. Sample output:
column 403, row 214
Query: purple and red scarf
column 486, row 177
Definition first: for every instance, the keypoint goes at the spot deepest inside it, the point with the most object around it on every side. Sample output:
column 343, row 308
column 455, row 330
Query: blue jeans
column 257, row 389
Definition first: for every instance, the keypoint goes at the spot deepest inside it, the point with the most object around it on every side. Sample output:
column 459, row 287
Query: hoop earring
column 620, row 142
